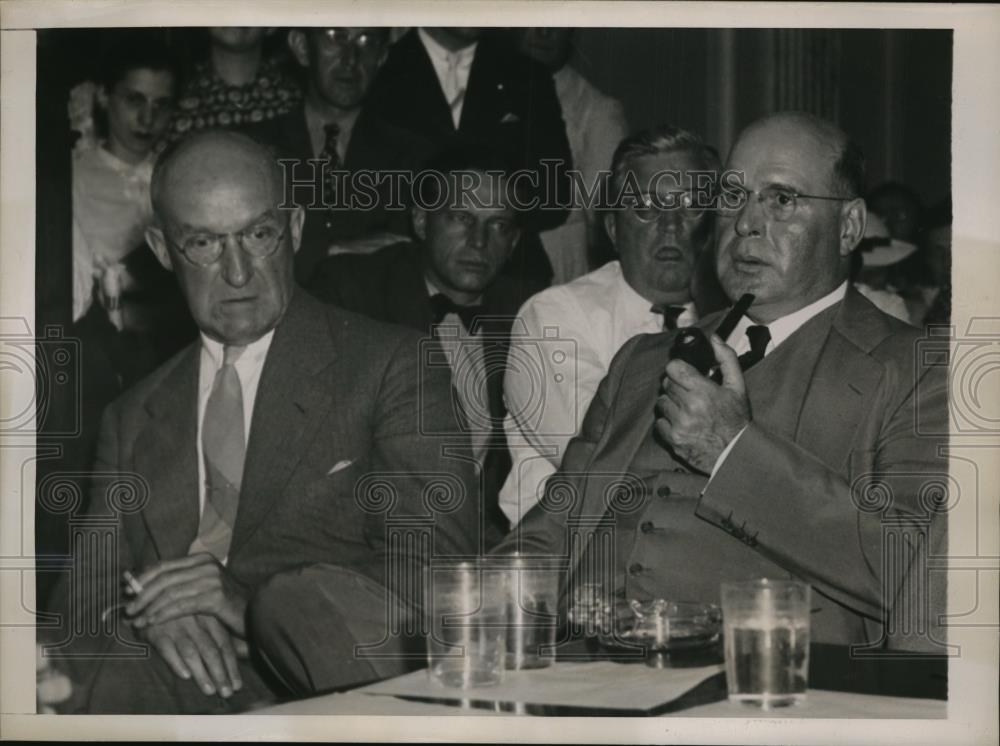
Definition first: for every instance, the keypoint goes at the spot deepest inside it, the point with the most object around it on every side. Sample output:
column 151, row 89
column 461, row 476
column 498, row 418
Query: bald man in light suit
column 770, row 473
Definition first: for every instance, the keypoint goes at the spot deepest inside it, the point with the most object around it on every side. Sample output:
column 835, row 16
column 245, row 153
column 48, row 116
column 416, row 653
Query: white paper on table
column 599, row 684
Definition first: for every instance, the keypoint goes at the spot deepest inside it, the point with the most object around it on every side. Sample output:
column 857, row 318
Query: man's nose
column 479, row 236
column 236, row 266
column 146, row 116
column 749, row 220
column 670, row 220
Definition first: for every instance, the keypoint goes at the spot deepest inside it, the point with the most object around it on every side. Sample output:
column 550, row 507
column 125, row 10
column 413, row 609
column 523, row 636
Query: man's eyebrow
column 781, row 185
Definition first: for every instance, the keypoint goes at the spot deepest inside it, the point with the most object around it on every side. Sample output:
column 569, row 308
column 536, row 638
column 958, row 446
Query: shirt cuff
column 722, row 456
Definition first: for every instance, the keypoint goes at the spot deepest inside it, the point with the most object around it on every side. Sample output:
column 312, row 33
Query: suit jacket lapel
column 407, row 301
column 479, row 92
column 292, row 400
column 166, row 456
column 844, row 382
column 423, row 88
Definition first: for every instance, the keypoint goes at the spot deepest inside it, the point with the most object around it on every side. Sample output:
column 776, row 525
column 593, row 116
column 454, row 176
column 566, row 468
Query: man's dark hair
column 135, row 49
column 659, row 140
column 458, row 157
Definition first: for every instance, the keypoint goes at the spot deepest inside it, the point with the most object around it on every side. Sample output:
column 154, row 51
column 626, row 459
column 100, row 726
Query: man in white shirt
column 815, row 463
column 254, row 533
column 648, row 289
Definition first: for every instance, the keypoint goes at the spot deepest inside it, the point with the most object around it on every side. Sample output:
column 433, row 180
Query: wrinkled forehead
column 785, row 153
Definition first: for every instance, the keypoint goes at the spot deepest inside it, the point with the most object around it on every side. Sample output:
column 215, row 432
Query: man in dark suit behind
column 819, row 462
column 334, row 125
column 272, row 460
column 449, row 284
column 470, row 82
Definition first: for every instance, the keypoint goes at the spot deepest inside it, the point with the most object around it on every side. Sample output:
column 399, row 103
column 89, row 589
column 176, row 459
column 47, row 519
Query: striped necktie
column 224, row 448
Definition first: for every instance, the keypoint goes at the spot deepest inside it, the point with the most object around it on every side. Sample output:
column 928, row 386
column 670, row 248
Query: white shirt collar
column 781, row 329
column 439, row 54
column 635, row 309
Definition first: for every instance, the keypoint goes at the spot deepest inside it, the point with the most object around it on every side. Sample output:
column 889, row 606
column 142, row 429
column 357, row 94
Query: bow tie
column 442, row 305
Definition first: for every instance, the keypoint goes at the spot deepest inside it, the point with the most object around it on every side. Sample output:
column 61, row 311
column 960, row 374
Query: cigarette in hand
column 134, row 585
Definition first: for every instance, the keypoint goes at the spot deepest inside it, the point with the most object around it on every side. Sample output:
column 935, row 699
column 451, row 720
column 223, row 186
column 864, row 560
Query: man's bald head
column 847, row 162
column 208, row 159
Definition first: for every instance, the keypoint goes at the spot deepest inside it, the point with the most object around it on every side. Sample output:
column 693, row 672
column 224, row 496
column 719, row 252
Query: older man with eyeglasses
column 818, row 457
column 277, row 454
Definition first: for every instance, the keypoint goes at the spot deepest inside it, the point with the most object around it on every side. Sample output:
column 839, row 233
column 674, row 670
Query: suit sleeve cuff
column 722, row 456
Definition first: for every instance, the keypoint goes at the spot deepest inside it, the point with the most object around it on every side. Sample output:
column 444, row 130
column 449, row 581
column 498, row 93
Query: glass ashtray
column 664, row 626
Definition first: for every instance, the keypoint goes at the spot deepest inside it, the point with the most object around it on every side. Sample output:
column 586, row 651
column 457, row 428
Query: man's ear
column 158, row 243
column 295, row 222
column 419, row 217
column 299, row 45
column 609, row 226
column 853, row 219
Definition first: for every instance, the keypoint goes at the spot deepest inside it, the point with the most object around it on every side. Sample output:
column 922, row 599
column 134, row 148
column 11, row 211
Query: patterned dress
column 208, row 101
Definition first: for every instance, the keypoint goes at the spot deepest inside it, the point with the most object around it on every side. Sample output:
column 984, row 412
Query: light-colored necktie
column 454, row 91
column 224, row 449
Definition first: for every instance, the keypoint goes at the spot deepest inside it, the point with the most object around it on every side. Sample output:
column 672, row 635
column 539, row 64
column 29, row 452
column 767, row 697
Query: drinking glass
column 466, row 604
column 766, row 628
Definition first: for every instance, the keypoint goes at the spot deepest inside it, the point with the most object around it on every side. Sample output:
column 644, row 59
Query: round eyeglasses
column 779, row 203
column 651, row 206
column 337, row 40
column 258, row 241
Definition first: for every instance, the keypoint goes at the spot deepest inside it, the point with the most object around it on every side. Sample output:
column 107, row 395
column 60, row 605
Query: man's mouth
column 748, row 263
column 668, row 254
column 472, row 265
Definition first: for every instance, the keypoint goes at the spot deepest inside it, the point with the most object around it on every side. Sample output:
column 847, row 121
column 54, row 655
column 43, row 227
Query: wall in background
column 890, row 89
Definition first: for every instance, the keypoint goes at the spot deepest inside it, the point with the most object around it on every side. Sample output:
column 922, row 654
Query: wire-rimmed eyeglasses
column 779, row 203
column 258, row 241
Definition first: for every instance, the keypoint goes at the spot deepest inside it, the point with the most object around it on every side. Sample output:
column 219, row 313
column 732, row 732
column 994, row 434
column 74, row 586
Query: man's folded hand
column 198, row 646
column 196, row 584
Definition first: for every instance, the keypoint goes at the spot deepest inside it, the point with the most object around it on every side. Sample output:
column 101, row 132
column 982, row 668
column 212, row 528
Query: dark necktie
column 331, row 161
column 223, row 448
column 759, row 337
column 670, row 315
column 442, row 305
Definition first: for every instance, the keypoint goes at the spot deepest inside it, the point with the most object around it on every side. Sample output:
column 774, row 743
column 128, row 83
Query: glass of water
column 766, row 629
column 467, row 614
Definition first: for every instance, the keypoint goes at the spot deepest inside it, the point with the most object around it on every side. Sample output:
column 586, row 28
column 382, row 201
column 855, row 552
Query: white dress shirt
column 562, row 344
column 780, row 329
column 464, row 352
column 248, row 368
column 452, row 70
